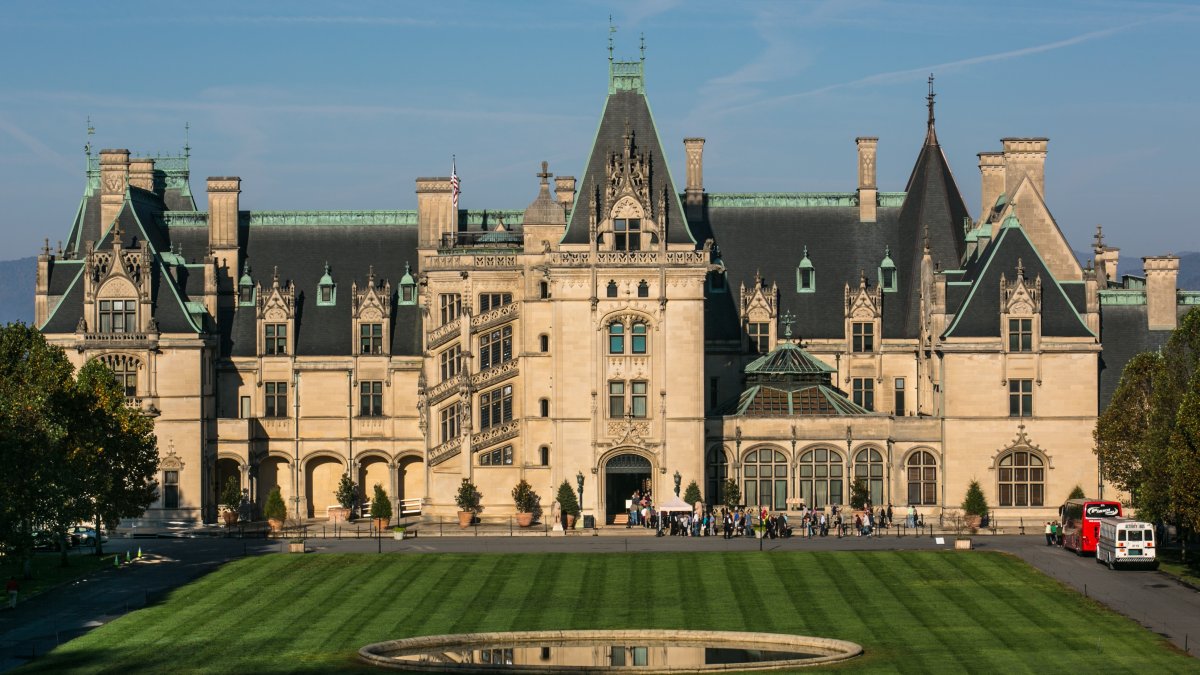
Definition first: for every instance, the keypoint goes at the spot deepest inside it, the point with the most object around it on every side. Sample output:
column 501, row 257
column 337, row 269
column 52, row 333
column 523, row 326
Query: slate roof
column 979, row 315
column 626, row 110
column 1125, row 332
column 788, row 382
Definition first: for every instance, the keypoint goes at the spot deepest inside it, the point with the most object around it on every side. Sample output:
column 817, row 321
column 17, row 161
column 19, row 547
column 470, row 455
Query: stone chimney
column 867, row 190
column 1024, row 157
column 435, row 211
column 114, row 176
column 694, row 194
column 1106, row 262
column 1161, row 274
column 141, row 173
column 223, row 194
column 991, row 175
column 564, row 190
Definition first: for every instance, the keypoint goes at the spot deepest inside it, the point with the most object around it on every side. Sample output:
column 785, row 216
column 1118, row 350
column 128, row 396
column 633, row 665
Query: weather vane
column 611, row 29
column 91, row 131
column 787, row 320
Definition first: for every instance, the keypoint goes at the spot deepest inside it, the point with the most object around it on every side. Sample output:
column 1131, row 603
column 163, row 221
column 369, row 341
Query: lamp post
column 579, row 482
column 678, row 480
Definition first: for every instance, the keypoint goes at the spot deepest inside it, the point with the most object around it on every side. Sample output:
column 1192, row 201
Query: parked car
column 45, row 540
column 81, row 535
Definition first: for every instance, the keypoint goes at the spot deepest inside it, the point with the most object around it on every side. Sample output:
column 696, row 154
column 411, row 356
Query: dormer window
column 716, row 282
column 806, row 276
column 408, row 288
column 246, row 289
column 326, row 290
column 887, row 273
column 627, row 234
column 118, row 316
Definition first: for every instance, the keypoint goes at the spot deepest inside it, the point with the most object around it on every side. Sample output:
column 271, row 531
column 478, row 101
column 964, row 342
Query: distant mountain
column 1189, row 267
column 17, row 280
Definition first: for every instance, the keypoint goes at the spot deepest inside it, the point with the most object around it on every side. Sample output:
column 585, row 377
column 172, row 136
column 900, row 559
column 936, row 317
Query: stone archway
column 227, row 468
column 321, row 476
column 623, row 474
column 374, row 469
column 410, row 479
column 272, row 472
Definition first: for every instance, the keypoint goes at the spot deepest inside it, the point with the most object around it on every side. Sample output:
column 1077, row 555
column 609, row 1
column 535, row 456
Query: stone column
column 868, row 192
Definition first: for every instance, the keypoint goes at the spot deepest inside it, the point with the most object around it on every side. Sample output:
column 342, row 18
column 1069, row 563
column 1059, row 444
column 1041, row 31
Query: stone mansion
column 619, row 329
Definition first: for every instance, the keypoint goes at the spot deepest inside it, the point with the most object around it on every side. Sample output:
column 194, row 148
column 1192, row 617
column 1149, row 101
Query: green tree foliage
column 1123, row 430
column 524, row 498
column 691, row 494
column 381, row 506
column 275, row 509
column 1077, row 493
column 469, row 497
column 975, row 504
column 859, row 494
column 231, row 496
column 345, row 492
column 567, row 502
column 733, row 494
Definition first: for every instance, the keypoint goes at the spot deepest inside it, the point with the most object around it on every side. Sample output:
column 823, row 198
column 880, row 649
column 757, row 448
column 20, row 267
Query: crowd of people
column 745, row 521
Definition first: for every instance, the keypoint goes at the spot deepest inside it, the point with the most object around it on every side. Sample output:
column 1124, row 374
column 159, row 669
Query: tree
column 733, row 494
column 975, row 504
column 119, row 450
column 275, row 509
column 1183, row 460
column 345, row 494
column 1122, row 430
column 567, row 502
column 231, row 496
column 468, row 497
column 859, row 494
column 381, row 506
column 691, row 495
column 524, row 498
column 1077, row 493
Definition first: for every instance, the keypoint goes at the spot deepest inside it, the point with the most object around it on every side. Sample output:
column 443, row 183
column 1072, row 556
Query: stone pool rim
column 376, row 653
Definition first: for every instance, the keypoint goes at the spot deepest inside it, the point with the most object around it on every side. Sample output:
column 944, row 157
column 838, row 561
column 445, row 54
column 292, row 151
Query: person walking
column 13, row 589
column 1049, row 534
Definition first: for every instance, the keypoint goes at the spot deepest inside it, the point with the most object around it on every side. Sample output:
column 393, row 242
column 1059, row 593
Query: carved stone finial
column 545, row 173
column 787, row 320
column 1020, row 270
column 862, row 278
column 275, row 277
column 46, row 246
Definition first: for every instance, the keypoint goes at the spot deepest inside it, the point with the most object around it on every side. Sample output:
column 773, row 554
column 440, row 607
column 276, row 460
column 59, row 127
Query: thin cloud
column 38, row 148
column 318, row 20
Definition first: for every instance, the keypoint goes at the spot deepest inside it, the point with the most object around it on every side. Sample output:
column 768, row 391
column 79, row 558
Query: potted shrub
column 381, row 508
column 692, row 495
column 231, row 499
column 975, row 505
column 568, row 506
column 468, row 500
column 399, row 533
column 733, row 494
column 275, row 511
column 296, row 545
column 526, row 501
column 345, row 500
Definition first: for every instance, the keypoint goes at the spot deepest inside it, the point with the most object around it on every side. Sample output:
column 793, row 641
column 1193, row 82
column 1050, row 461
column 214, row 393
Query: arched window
column 544, row 343
column 643, row 289
column 868, row 467
column 544, row 290
column 1022, row 479
column 922, row 479
column 544, row 455
column 821, row 478
column 544, row 407
column 627, row 234
column 638, row 342
column 612, row 289
column 616, row 338
column 717, row 471
column 764, row 478
column 118, row 316
column 125, row 369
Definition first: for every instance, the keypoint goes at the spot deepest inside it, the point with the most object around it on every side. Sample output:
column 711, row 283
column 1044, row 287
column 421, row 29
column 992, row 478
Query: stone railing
column 442, row 334
column 496, row 316
column 495, row 435
column 443, row 390
column 495, row 374
column 444, row 451
column 482, row 260
column 125, row 340
column 585, row 259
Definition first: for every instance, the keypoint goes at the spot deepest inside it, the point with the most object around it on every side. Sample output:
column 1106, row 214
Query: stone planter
column 962, row 544
column 524, row 519
column 464, row 518
column 231, row 517
column 570, row 521
column 295, row 547
column 339, row 515
column 381, row 524
column 398, row 535
column 276, row 524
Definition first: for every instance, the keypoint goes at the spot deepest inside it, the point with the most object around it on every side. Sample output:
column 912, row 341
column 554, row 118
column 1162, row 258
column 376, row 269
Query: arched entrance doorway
column 227, row 468
column 623, row 475
column 320, row 484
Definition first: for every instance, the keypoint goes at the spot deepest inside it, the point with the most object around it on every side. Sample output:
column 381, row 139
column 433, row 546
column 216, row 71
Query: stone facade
column 617, row 330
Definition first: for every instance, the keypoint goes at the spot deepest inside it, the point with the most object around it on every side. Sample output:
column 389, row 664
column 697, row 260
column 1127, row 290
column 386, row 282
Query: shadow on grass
column 116, row 660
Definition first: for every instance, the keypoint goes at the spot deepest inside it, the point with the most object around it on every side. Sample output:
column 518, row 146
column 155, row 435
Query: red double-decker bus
column 1080, row 520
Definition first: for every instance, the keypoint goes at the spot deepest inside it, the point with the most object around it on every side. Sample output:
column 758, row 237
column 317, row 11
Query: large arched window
column 1022, row 479
column 921, row 469
column 638, row 341
column 616, row 338
column 717, row 470
column 868, row 467
column 764, row 478
column 821, row 478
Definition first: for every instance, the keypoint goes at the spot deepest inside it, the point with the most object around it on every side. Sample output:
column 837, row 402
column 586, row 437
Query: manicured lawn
column 48, row 571
column 1171, row 563
column 911, row 611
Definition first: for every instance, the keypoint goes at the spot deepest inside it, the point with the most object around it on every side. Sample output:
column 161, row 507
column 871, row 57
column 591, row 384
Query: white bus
column 1125, row 542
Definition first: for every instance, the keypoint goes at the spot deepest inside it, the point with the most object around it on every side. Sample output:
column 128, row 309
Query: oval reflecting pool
column 646, row 651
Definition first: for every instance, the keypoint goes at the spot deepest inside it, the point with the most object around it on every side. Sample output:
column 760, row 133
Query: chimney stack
column 564, row 189
column 867, row 190
column 991, row 175
column 141, row 173
column 114, row 176
column 694, row 149
column 435, row 211
column 1161, row 275
column 1024, row 157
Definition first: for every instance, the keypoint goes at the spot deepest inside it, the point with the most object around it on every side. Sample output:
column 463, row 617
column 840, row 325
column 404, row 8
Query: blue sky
column 340, row 105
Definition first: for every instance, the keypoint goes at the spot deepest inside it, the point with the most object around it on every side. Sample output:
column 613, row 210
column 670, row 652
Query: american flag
column 454, row 191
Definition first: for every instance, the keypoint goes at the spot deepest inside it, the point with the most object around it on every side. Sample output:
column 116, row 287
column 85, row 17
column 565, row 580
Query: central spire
column 931, row 133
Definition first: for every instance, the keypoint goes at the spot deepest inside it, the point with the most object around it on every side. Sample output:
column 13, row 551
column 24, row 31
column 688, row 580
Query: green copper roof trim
column 994, row 247
column 326, row 281
column 1187, row 297
column 788, row 359
column 841, row 405
column 406, row 287
column 70, row 286
column 401, row 218
column 1124, row 297
column 626, row 76
column 1011, row 221
column 77, row 227
column 491, row 217
column 885, row 265
column 806, row 266
column 196, row 308
column 1001, row 201
column 796, row 199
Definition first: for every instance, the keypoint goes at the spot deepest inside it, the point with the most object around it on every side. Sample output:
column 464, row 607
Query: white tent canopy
column 673, row 504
